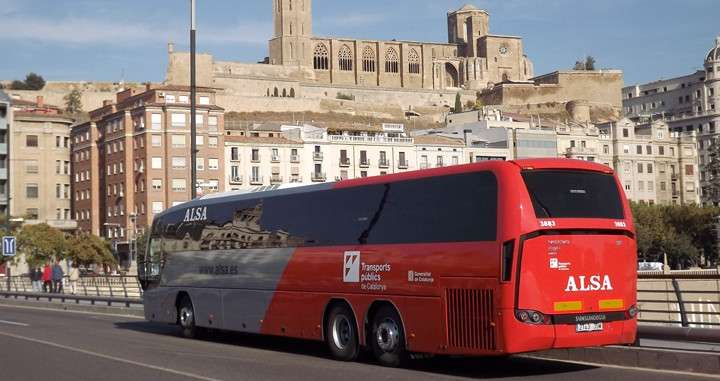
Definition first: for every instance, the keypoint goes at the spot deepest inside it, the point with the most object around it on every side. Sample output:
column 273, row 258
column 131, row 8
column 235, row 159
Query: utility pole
column 193, row 126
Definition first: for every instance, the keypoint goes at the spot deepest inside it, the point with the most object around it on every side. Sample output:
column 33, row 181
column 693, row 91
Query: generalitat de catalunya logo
column 351, row 266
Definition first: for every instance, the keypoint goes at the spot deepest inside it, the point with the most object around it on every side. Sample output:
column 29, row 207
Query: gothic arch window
column 345, row 58
column 391, row 61
column 320, row 57
column 413, row 62
column 368, row 60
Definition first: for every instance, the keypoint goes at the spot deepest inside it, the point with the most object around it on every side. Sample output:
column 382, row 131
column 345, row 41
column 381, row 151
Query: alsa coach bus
column 488, row 258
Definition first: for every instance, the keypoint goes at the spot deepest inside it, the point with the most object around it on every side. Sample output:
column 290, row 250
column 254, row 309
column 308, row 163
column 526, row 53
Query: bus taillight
column 632, row 312
column 532, row 317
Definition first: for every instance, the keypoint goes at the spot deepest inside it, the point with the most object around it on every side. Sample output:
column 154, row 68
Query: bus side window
column 154, row 260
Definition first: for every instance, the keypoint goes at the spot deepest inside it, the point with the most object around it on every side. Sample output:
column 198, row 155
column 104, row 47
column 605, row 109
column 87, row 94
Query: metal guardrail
column 666, row 312
column 127, row 302
column 690, row 300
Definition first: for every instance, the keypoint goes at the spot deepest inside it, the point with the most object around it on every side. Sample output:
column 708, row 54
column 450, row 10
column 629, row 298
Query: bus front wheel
column 341, row 333
column 388, row 337
column 186, row 318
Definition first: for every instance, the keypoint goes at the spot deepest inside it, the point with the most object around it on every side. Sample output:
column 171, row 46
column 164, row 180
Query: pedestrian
column 73, row 275
column 36, row 278
column 47, row 281
column 57, row 278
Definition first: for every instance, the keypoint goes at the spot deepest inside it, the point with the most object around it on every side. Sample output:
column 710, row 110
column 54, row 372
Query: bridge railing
column 679, row 299
column 688, row 300
column 121, row 286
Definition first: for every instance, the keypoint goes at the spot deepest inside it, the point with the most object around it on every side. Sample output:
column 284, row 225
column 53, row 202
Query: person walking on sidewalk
column 57, row 278
column 36, row 276
column 47, row 280
column 73, row 276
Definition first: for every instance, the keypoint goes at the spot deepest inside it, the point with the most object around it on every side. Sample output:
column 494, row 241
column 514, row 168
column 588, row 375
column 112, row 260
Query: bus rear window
column 573, row 194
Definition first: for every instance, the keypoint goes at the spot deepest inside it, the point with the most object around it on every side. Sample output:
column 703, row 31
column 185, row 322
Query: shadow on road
column 470, row 367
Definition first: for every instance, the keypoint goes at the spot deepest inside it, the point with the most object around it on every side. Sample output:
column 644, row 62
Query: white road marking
column 89, row 353
column 14, row 323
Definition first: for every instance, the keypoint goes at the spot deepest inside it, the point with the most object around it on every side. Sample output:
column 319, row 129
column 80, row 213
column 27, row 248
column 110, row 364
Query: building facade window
column 413, row 62
column 320, row 58
column 391, row 61
column 345, row 58
column 368, row 60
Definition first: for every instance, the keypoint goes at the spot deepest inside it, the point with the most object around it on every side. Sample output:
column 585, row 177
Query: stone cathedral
column 472, row 59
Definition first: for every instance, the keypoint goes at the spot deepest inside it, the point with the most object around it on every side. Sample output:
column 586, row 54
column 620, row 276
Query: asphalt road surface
column 42, row 344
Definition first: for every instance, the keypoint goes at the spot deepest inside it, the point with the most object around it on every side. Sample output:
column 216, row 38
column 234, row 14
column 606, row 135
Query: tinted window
column 453, row 208
column 559, row 194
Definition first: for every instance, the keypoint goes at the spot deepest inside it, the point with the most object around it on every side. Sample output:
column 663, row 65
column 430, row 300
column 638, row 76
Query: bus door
column 149, row 266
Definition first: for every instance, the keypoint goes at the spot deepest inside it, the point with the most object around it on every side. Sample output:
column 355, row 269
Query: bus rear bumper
column 521, row 337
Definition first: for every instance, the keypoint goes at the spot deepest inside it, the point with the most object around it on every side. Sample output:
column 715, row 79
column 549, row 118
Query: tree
column 73, row 101
column 32, row 82
column 88, row 249
column 589, row 64
column 458, row 103
column 14, row 227
column 41, row 243
column 685, row 233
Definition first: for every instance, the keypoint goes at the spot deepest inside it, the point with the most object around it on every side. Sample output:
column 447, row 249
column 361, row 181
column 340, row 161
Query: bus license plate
column 588, row 327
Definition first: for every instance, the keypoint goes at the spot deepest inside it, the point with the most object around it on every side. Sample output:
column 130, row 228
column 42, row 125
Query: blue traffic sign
column 8, row 245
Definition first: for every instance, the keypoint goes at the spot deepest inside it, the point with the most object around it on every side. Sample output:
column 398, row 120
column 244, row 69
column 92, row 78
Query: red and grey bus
column 489, row 258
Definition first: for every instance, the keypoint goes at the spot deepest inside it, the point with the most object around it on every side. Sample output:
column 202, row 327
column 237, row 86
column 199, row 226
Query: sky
column 102, row 40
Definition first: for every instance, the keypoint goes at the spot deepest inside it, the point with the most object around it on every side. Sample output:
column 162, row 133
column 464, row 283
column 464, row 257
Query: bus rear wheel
column 388, row 337
column 341, row 333
column 186, row 318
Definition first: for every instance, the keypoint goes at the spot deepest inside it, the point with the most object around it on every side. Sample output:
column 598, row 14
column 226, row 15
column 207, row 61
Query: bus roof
column 287, row 188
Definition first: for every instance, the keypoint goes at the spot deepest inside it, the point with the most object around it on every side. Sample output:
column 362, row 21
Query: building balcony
column 574, row 151
column 317, row 155
column 276, row 179
column 236, row 179
column 318, row 176
column 275, row 159
column 255, row 158
column 365, row 163
column 256, row 180
column 294, row 158
column 344, row 162
column 383, row 163
column 362, row 139
column 403, row 164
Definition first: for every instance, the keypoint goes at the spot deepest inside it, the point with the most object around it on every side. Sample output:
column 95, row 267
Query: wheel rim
column 341, row 333
column 186, row 316
column 388, row 335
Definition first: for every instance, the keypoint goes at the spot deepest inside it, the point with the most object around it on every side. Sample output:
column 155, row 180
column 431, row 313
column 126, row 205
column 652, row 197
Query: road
column 63, row 345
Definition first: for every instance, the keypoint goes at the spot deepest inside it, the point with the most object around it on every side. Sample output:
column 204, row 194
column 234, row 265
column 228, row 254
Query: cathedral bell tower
column 291, row 45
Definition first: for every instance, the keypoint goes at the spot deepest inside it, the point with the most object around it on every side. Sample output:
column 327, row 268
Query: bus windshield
column 573, row 194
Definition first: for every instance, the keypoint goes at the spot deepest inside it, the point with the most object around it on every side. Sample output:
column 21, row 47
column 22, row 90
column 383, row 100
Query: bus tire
column 388, row 337
column 186, row 318
column 341, row 333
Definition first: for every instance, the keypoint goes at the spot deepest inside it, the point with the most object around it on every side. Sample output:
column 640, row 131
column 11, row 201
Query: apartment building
column 5, row 122
column 132, row 160
column 41, row 171
column 269, row 154
column 689, row 105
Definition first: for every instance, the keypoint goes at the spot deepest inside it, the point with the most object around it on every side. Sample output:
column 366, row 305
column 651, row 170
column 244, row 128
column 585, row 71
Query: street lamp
column 114, row 241
column 133, row 241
